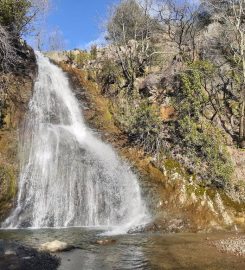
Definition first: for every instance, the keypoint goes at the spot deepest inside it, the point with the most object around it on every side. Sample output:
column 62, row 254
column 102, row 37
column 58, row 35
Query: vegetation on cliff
column 171, row 79
column 17, row 72
column 174, row 79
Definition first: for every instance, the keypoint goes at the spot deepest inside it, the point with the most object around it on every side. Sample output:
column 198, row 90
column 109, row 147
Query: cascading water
column 68, row 176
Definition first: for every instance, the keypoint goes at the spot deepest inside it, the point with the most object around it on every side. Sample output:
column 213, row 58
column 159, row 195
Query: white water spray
column 68, row 176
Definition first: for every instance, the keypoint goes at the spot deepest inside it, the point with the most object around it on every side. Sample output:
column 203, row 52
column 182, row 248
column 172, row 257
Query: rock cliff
column 15, row 92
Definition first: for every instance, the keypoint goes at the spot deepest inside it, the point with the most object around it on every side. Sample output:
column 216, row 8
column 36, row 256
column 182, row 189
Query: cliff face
column 15, row 92
column 176, row 202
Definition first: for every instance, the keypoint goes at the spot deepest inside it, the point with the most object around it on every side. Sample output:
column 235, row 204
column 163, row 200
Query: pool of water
column 139, row 251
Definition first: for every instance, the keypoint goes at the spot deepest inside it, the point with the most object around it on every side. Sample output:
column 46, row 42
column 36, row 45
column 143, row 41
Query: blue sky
column 78, row 20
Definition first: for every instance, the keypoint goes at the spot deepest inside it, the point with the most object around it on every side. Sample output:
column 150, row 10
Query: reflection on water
column 142, row 251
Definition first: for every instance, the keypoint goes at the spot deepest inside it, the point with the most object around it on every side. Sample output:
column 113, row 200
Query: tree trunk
column 242, row 112
column 242, row 125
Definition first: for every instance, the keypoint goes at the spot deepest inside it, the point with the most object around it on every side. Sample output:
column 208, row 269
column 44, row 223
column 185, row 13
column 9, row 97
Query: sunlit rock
column 106, row 241
column 221, row 209
column 55, row 246
column 9, row 252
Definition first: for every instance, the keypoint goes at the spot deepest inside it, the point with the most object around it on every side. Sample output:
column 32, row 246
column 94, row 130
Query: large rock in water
column 16, row 256
column 55, row 246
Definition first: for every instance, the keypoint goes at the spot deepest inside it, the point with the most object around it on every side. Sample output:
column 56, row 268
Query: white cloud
column 100, row 41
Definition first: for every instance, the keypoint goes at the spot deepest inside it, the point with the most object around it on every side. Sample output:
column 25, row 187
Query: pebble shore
column 233, row 245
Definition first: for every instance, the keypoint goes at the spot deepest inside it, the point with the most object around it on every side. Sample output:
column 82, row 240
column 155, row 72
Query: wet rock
column 9, row 252
column 26, row 258
column 106, row 241
column 55, row 246
column 150, row 227
column 166, row 225
column 16, row 256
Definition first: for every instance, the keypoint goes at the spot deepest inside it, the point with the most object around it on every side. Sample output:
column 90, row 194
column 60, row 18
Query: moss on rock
column 8, row 189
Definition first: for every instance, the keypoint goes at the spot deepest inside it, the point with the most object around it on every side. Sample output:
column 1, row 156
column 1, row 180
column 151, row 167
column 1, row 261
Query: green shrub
column 205, row 146
column 82, row 58
column 14, row 14
column 94, row 52
column 145, row 128
column 7, row 183
column 202, row 142
column 109, row 74
column 191, row 99
column 141, row 121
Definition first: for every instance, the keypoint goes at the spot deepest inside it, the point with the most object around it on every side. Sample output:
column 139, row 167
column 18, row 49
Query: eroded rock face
column 15, row 92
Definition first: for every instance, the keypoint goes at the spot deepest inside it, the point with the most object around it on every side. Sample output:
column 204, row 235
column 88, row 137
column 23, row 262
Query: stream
column 139, row 251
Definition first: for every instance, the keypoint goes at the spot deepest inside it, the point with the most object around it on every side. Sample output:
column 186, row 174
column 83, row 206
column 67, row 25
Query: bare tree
column 181, row 25
column 231, row 14
column 36, row 15
column 56, row 41
column 130, row 28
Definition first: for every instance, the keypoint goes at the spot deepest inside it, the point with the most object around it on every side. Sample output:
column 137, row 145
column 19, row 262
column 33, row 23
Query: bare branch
column 7, row 52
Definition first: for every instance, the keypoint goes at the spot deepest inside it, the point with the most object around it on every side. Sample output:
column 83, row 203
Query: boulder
column 55, row 246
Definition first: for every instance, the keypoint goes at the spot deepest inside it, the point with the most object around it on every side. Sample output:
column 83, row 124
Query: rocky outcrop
column 15, row 92
column 57, row 56
column 176, row 201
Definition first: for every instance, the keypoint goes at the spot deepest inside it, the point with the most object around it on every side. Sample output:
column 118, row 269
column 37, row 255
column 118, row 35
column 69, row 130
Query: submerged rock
column 55, row 246
column 105, row 241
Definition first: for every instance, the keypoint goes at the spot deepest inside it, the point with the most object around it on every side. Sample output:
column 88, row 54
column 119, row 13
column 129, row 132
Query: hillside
column 168, row 96
column 177, row 198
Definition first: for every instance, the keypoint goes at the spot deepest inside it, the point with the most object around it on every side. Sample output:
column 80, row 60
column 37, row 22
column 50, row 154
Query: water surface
column 140, row 251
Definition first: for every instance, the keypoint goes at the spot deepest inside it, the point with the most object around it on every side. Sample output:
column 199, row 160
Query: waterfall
column 68, row 176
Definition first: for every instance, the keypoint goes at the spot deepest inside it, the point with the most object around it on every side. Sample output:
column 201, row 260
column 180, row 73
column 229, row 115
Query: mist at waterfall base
column 69, row 177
